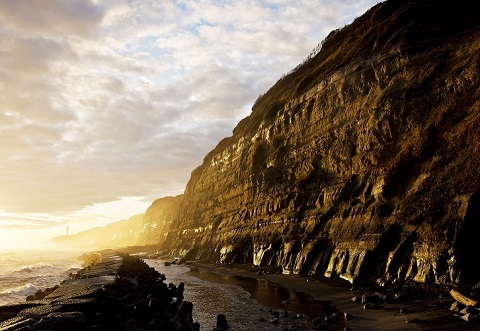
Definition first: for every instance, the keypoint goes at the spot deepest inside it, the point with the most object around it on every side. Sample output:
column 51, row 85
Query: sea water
column 22, row 273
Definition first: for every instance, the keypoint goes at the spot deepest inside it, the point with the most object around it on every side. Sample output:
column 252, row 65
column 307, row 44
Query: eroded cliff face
column 361, row 163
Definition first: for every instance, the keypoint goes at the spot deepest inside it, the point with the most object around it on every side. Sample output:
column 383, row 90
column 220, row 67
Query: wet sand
column 419, row 308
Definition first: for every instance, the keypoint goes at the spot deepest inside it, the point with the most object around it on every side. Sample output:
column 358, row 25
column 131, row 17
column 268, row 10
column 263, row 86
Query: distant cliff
column 158, row 219
column 360, row 163
column 118, row 234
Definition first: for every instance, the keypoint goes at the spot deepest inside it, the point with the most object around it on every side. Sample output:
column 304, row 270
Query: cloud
column 107, row 99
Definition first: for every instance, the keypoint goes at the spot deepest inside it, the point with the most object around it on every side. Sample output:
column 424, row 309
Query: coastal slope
column 362, row 162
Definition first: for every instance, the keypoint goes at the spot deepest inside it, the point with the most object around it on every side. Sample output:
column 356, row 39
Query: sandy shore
column 417, row 308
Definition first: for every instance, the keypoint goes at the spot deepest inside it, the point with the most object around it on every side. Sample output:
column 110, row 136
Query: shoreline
column 402, row 307
column 113, row 292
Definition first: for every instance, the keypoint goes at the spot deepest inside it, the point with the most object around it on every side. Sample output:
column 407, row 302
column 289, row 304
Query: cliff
column 118, row 234
column 360, row 163
column 158, row 219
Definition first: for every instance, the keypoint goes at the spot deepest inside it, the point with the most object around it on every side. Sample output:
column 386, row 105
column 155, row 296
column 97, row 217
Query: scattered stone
column 286, row 302
column 222, row 322
column 31, row 297
column 381, row 282
column 369, row 297
column 283, row 314
column 463, row 299
column 413, row 320
column 370, row 305
column 275, row 321
column 456, row 306
column 347, row 316
column 184, row 314
column 261, row 319
column 356, row 299
column 469, row 317
column 317, row 321
column 469, row 310
column 381, row 296
column 39, row 295
column 133, row 324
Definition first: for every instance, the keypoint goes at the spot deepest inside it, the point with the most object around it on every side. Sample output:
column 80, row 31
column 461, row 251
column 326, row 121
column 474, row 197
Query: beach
column 119, row 292
column 411, row 306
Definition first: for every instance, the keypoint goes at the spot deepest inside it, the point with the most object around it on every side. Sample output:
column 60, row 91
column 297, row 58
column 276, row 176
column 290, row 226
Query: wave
column 41, row 266
column 21, row 290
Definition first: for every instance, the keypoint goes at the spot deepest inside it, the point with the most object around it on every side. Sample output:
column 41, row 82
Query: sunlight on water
column 22, row 273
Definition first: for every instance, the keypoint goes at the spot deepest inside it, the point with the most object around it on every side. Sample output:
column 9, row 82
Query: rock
column 184, row 314
column 133, row 324
column 179, row 291
column 31, row 297
column 275, row 321
column 381, row 296
column 61, row 321
column 370, row 305
column 196, row 326
column 286, row 302
column 222, row 322
column 413, row 320
column 347, row 316
column 39, row 295
column 469, row 310
column 167, row 264
column 469, row 317
column 356, row 299
column 283, row 314
column 456, row 306
column 463, row 299
column 370, row 297
column 318, row 321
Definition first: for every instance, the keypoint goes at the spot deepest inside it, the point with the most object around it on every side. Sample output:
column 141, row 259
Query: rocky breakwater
column 361, row 163
column 115, row 292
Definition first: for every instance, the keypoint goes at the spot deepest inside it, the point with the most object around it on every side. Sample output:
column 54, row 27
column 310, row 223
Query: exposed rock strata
column 362, row 162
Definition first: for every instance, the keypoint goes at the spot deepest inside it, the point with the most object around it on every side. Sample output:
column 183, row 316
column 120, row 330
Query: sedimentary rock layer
column 360, row 163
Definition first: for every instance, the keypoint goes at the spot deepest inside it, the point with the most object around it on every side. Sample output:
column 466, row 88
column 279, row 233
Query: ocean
column 24, row 272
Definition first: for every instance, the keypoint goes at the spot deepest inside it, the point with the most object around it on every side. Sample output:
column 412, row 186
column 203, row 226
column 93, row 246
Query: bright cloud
column 107, row 99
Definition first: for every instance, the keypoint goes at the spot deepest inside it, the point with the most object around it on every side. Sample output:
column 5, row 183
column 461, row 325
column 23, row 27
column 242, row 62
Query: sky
column 107, row 105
